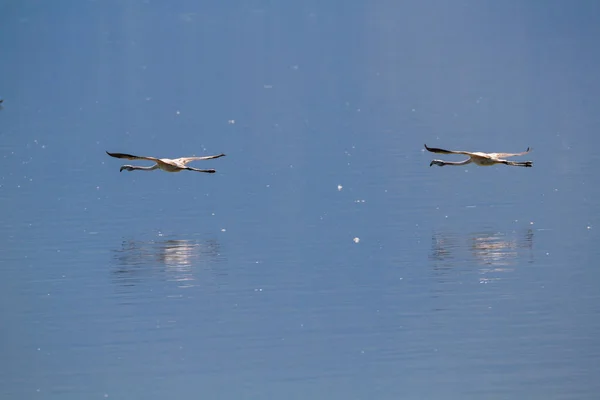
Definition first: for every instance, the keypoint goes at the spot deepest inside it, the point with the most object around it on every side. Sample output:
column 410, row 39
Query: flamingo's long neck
column 132, row 167
column 467, row 161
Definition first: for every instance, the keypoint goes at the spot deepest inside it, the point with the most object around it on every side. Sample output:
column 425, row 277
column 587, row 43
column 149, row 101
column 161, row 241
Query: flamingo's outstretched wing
column 504, row 155
column 131, row 157
column 185, row 160
column 442, row 151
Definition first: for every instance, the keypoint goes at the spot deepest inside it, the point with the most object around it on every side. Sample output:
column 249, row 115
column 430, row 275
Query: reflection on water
column 175, row 260
column 493, row 252
column 499, row 249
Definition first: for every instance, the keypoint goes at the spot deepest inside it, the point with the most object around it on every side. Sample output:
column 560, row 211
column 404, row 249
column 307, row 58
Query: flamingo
column 481, row 159
column 166, row 164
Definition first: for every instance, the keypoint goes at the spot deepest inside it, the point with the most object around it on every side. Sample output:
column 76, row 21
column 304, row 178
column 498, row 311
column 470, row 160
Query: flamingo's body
column 166, row 164
column 481, row 159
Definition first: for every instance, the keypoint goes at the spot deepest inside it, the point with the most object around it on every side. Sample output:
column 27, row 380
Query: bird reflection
column 493, row 252
column 498, row 249
column 175, row 260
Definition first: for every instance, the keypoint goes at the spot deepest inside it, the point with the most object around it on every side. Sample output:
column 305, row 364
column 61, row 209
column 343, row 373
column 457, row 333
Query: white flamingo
column 481, row 159
column 166, row 164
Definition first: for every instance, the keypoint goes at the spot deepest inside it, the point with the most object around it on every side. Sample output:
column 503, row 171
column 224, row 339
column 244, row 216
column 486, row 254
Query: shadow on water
column 492, row 252
column 174, row 260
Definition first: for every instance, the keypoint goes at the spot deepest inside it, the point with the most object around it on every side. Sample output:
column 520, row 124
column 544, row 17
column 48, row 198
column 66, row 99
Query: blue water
column 325, row 258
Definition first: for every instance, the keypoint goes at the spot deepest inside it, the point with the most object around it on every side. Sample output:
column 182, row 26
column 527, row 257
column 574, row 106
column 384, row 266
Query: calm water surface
column 324, row 259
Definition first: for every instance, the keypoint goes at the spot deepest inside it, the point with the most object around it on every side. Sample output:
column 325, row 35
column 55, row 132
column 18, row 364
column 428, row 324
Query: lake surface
column 325, row 259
